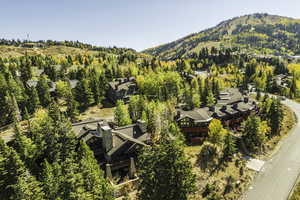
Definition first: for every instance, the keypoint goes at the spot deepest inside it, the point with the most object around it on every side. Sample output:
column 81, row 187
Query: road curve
column 280, row 173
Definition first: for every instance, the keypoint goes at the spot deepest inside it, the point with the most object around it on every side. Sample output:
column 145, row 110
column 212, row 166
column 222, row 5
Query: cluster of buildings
column 232, row 108
column 52, row 85
column 116, row 148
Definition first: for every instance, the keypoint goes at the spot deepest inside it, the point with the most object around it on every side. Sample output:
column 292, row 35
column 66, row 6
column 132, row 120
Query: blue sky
column 137, row 24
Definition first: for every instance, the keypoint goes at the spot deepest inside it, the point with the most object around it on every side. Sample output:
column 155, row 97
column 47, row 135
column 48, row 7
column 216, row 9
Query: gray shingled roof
column 126, row 135
column 122, row 136
column 81, row 128
column 199, row 115
column 229, row 96
column 122, row 83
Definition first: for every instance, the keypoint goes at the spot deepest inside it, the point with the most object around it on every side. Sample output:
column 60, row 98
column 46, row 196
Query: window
column 185, row 122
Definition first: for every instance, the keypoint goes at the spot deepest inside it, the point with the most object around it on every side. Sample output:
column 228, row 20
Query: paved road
column 280, row 173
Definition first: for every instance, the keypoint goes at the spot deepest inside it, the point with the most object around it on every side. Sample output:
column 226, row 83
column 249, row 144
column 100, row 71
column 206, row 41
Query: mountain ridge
column 259, row 27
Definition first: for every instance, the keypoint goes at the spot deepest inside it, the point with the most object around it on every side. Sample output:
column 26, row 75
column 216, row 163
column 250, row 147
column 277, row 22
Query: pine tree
column 51, row 178
column 83, row 93
column 275, row 116
column 93, row 177
column 27, row 187
column 175, row 182
column 33, row 100
column 188, row 97
column 135, row 107
column 229, row 147
column 121, row 114
column 96, row 87
column 196, row 99
column 210, row 99
column 26, row 149
column 72, row 110
column 43, row 91
column 17, row 181
column 71, row 186
column 293, row 87
column 25, row 69
column 54, row 112
column 255, row 133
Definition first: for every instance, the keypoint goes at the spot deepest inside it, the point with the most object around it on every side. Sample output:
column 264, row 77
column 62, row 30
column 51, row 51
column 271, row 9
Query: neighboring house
column 187, row 76
column 52, row 85
column 121, row 89
column 282, row 80
column 114, row 148
column 231, row 108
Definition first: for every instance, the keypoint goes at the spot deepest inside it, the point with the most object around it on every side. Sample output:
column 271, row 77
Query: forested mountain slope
column 256, row 33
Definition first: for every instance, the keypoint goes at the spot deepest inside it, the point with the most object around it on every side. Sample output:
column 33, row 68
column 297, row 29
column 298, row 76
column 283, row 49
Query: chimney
column 142, row 125
column 235, row 106
column 108, row 172
column 99, row 130
column 212, row 108
column 132, row 169
column 107, row 139
column 224, row 107
column 246, row 99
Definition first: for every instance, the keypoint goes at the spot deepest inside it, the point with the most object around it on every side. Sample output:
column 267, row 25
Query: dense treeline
column 48, row 43
column 47, row 162
column 30, row 82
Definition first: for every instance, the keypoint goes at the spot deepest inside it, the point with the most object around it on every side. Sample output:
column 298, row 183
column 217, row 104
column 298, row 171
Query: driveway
column 280, row 173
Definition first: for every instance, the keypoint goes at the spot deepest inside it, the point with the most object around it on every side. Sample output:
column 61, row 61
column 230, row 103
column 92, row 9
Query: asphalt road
column 280, row 173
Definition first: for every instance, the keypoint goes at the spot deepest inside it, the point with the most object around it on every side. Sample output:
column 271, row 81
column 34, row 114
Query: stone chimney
column 132, row 169
column 107, row 138
column 108, row 172
column 142, row 125
column 99, row 130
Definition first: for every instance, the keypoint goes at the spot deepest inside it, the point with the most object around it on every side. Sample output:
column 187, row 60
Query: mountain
column 256, row 33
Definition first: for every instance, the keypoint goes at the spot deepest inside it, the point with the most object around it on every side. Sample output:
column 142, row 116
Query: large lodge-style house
column 232, row 108
column 115, row 148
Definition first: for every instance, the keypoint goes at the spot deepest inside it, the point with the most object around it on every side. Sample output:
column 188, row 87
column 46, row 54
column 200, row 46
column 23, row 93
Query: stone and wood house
column 115, row 148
